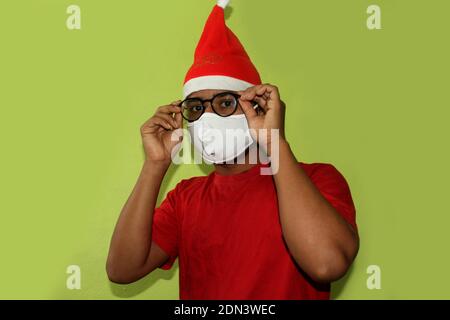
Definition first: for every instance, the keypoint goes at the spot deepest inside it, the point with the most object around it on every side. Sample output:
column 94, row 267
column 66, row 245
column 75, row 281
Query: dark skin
column 322, row 243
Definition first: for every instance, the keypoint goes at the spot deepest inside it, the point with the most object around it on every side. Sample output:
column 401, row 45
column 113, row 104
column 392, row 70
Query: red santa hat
column 220, row 60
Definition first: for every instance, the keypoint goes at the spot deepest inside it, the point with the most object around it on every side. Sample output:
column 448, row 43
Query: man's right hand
column 132, row 252
column 157, row 133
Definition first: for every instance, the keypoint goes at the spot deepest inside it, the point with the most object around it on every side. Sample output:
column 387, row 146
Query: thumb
column 247, row 108
column 179, row 119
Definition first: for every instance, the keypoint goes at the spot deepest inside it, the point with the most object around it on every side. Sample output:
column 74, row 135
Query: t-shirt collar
column 242, row 176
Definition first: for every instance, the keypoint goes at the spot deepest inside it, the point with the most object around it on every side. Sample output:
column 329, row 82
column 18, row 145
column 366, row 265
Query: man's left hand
column 269, row 117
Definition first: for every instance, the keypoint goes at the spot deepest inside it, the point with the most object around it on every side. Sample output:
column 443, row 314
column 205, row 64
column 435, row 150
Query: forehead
column 206, row 94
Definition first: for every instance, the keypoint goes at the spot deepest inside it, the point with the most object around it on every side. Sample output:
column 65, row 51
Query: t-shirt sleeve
column 334, row 188
column 165, row 227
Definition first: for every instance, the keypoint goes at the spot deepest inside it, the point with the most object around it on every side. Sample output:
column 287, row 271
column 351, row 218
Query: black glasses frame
column 203, row 101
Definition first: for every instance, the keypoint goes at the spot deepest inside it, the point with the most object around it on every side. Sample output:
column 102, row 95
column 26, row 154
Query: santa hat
column 220, row 60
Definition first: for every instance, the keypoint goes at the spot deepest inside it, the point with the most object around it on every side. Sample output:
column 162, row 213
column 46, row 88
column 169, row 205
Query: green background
column 373, row 103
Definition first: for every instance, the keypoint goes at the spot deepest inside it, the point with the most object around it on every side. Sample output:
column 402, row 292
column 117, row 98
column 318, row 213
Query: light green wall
column 373, row 103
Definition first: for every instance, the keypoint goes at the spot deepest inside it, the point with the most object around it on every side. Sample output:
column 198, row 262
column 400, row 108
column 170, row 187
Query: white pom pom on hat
column 223, row 3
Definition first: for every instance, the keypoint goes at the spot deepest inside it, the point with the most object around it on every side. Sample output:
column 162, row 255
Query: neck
column 226, row 169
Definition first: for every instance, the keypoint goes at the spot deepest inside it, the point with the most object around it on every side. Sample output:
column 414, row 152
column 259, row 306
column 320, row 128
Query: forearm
column 131, row 240
column 320, row 240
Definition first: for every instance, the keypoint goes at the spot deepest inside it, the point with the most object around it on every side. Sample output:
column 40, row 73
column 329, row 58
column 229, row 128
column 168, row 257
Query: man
column 238, row 234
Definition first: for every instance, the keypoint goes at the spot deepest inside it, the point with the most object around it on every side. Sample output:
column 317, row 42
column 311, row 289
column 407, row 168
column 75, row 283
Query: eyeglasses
column 224, row 104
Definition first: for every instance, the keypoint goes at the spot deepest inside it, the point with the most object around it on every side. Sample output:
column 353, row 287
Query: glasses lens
column 192, row 109
column 225, row 104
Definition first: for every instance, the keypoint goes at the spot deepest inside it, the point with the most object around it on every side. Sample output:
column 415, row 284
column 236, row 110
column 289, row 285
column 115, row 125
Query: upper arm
column 165, row 231
column 156, row 258
column 335, row 189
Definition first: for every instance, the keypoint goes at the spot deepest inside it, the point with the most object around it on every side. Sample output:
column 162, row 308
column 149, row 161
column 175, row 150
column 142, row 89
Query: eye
column 193, row 106
column 196, row 108
column 227, row 104
column 226, row 101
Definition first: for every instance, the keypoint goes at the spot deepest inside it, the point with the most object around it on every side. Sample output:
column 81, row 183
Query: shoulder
column 190, row 184
column 184, row 189
column 319, row 168
column 334, row 187
column 324, row 175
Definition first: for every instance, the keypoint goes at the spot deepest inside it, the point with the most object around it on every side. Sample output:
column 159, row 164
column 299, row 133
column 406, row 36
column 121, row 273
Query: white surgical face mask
column 220, row 139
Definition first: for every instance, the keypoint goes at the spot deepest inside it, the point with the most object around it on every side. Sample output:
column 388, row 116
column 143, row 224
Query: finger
column 261, row 102
column 169, row 109
column 168, row 117
column 250, row 93
column 272, row 91
column 148, row 122
column 255, row 89
column 247, row 108
column 158, row 122
column 179, row 120
column 267, row 90
column 247, row 92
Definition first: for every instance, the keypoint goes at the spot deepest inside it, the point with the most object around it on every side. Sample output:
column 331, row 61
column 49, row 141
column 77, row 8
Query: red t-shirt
column 226, row 232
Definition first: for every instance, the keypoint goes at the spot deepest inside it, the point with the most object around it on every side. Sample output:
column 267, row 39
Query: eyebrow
column 215, row 94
